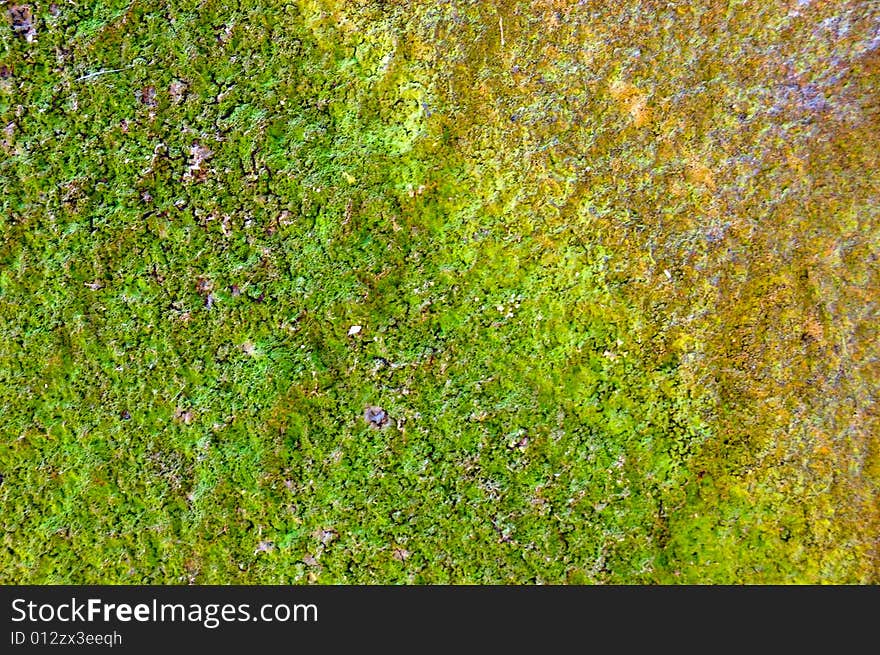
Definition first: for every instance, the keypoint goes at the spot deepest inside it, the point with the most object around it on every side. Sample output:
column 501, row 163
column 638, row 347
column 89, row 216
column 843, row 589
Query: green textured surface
column 614, row 263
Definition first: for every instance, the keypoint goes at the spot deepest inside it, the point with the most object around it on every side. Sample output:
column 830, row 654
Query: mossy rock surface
column 411, row 292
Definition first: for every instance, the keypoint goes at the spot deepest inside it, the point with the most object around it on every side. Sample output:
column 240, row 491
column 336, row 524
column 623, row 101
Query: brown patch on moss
column 22, row 20
column 376, row 417
column 147, row 96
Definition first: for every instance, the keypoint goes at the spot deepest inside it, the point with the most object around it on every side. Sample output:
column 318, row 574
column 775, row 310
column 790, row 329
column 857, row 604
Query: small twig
column 501, row 27
column 101, row 72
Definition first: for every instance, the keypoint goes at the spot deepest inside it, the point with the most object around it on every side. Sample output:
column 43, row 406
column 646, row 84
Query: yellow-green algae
column 614, row 263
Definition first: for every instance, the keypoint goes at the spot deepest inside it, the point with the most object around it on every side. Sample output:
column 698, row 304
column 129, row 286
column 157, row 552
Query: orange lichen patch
column 821, row 452
column 632, row 101
column 813, row 329
column 552, row 7
column 676, row 189
column 551, row 52
column 795, row 163
column 697, row 172
column 666, row 150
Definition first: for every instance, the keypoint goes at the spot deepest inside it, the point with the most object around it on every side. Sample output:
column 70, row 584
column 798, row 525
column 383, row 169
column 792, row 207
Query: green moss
column 614, row 274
